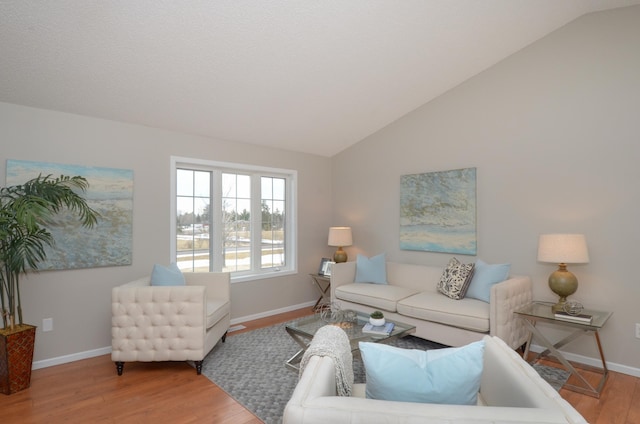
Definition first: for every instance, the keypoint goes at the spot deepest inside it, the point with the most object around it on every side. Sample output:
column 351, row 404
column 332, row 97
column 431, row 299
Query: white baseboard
column 71, row 358
column 107, row 350
column 272, row 312
column 594, row 362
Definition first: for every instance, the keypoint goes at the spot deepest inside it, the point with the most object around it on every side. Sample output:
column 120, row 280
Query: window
column 232, row 217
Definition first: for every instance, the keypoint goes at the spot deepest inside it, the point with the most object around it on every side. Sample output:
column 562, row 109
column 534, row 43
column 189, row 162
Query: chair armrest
column 506, row 297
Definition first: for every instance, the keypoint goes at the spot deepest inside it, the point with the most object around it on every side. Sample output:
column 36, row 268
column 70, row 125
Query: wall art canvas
column 438, row 211
column 110, row 193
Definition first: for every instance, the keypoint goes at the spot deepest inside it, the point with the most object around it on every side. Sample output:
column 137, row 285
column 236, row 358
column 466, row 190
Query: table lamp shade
column 562, row 249
column 340, row 237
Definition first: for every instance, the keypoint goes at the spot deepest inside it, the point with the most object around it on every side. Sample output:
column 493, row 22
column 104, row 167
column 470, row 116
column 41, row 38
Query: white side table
column 541, row 312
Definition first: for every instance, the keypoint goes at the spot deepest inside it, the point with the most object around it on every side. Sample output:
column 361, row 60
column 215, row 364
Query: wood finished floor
column 89, row 391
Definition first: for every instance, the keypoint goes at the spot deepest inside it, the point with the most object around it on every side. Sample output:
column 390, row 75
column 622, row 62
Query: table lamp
column 562, row 249
column 340, row 237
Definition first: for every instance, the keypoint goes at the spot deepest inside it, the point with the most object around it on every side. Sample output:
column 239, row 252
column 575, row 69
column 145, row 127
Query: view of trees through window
column 216, row 228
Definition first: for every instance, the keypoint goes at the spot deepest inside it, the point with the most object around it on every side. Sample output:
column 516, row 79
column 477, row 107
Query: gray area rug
column 250, row 368
column 554, row 376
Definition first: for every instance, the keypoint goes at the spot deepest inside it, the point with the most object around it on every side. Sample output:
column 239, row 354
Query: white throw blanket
column 333, row 342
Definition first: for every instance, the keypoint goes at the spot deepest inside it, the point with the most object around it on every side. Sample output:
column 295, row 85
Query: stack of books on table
column 581, row 318
column 384, row 330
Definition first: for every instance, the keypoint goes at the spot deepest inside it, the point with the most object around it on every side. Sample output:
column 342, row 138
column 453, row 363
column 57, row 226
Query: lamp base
column 340, row 256
column 559, row 307
column 563, row 283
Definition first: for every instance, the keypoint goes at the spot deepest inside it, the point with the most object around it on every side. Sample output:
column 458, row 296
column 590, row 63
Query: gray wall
column 554, row 133
column 79, row 301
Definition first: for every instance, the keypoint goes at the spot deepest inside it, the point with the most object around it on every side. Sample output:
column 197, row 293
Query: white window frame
column 291, row 208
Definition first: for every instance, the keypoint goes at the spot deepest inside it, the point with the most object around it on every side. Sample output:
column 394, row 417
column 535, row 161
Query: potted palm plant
column 24, row 210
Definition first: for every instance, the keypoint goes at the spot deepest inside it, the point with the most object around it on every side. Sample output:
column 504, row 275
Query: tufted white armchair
column 169, row 323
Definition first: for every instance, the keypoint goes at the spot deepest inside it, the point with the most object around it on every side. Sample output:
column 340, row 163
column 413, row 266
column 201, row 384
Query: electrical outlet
column 637, row 330
column 47, row 324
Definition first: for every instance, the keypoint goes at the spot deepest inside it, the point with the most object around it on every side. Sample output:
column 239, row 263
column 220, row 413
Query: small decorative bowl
column 573, row 307
column 376, row 322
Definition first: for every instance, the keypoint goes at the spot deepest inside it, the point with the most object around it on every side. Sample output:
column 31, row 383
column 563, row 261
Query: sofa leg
column 224, row 336
column 119, row 367
column 198, row 365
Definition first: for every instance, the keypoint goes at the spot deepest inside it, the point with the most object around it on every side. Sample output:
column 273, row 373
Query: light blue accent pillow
column 485, row 276
column 167, row 276
column 445, row 376
column 371, row 270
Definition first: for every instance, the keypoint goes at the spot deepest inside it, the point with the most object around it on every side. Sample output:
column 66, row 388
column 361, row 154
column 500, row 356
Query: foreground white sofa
column 169, row 323
column 411, row 297
column 510, row 392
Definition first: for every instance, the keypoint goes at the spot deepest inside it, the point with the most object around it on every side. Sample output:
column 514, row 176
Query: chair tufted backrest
column 159, row 323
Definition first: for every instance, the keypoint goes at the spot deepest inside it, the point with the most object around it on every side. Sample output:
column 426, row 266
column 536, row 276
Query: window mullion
column 256, row 224
column 216, row 242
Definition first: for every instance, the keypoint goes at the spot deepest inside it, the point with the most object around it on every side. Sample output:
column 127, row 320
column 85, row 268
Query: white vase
column 376, row 322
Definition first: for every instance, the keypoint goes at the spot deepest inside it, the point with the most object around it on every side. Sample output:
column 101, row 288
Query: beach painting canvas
column 110, row 193
column 438, row 211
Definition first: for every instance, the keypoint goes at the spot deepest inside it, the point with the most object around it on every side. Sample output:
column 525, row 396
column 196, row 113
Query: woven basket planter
column 16, row 358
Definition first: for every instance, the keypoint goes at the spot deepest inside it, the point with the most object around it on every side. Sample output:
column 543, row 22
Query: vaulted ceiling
column 303, row 75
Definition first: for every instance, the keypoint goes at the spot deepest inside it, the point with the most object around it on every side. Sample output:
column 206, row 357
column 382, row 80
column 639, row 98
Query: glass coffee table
column 303, row 329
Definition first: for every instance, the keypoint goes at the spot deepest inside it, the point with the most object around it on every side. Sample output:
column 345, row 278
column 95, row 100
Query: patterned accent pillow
column 455, row 279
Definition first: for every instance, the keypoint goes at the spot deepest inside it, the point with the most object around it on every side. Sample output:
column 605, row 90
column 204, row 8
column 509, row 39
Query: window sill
column 253, row 277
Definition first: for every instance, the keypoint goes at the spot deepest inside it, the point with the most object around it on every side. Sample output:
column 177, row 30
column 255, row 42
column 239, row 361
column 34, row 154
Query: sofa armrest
column 341, row 274
column 314, row 401
column 506, row 297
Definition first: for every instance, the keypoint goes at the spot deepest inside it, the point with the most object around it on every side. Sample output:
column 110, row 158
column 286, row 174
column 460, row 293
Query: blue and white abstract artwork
column 438, row 211
column 110, row 193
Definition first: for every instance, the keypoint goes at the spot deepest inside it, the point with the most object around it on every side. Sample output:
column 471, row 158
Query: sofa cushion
column 484, row 276
column 446, row 376
column 167, row 276
column 371, row 270
column 471, row 314
column 455, row 279
column 378, row 296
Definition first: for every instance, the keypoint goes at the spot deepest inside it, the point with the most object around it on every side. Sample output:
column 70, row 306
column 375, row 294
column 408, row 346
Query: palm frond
column 24, row 208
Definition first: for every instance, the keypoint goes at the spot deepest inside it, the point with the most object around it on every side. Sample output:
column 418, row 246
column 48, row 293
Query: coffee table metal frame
column 303, row 329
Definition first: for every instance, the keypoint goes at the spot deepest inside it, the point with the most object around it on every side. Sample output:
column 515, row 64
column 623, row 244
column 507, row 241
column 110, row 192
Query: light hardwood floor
column 89, row 391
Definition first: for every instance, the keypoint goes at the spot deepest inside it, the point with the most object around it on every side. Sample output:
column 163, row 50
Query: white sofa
column 411, row 297
column 510, row 392
column 169, row 323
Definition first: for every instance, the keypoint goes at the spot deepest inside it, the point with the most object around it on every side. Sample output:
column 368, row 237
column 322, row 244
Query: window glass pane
column 229, row 185
column 278, row 188
column 236, row 222
column 184, row 182
column 273, row 230
column 266, row 188
column 192, row 219
column 244, row 186
column 202, row 181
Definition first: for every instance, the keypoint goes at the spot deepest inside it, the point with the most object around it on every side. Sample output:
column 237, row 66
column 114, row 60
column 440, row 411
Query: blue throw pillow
column 371, row 270
column 167, row 276
column 445, row 376
column 484, row 277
